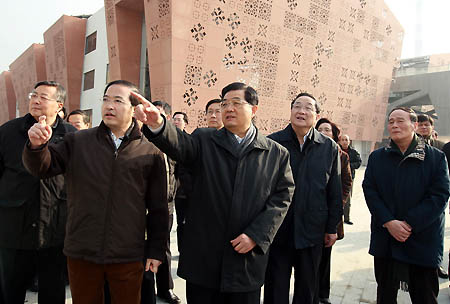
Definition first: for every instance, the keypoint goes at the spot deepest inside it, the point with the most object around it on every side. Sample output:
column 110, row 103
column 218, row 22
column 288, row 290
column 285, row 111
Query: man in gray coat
column 242, row 188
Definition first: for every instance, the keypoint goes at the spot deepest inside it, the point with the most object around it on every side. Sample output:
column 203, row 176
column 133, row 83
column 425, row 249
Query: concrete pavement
column 352, row 277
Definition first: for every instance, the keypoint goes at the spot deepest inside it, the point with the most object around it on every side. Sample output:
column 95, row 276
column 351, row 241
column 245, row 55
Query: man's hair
column 425, row 117
column 79, row 112
column 125, row 83
column 185, row 117
column 166, row 107
column 60, row 91
column 316, row 104
column 212, row 101
column 412, row 114
column 250, row 94
column 334, row 128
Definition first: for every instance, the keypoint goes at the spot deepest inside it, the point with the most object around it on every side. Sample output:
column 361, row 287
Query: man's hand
column 147, row 112
column 152, row 265
column 243, row 244
column 400, row 230
column 330, row 239
column 40, row 133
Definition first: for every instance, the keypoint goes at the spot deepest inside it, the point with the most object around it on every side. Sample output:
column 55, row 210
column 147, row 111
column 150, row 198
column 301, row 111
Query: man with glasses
column 114, row 178
column 316, row 207
column 242, row 187
column 214, row 114
column 32, row 211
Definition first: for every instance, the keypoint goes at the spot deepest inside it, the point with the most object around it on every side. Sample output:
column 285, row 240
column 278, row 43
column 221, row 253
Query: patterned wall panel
column 341, row 51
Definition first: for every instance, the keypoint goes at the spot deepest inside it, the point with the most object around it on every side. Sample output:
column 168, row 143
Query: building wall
column 7, row 98
column 96, row 60
column 26, row 70
column 64, row 50
column 342, row 52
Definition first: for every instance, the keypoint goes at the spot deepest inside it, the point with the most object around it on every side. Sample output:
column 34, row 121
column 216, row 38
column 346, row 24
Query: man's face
column 326, row 129
column 43, row 102
column 303, row 112
column 117, row 111
column 425, row 128
column 400, row 126
column 237, row 113
column 344, row 141
column 178, row 121
column 77, row 121
column 214, row 116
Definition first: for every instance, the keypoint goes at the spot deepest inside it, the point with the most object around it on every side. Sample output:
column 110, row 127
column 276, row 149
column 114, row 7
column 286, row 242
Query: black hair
column 79, row 112
column 334, row 128
column 316, row 104
column 412, row 114
column 60, row 91
column 212, row 101
column 125, row 83
column 185, row 117
column 425, row 117
column 250, row 94
column 166, row 107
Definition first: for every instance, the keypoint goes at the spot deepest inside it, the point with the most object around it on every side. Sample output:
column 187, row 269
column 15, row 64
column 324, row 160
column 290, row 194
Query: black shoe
column 324, row 301
column 441, row 273
column 169, row 297
column 348, row 222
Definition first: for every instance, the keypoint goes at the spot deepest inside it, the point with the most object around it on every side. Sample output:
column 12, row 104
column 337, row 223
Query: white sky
column 23, row 22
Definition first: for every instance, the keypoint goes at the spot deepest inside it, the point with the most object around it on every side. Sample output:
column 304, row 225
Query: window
column 88, row 82
column 91, row 43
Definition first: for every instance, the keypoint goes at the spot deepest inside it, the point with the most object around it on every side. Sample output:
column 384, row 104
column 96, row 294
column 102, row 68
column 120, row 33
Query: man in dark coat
column 316, row 207
column 32, row 211
column 242, row 187
column 406, row 186
column 355, row 163
column 117, row 189
column 425, row 128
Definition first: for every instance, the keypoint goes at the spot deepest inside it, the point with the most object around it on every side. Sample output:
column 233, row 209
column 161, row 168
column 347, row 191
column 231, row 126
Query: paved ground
column 352, row 276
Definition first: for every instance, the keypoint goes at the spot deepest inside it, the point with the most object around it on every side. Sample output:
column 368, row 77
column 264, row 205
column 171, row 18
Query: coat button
column 34, row 225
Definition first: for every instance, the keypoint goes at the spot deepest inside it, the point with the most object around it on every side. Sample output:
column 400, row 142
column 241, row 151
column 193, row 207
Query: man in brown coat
column 114, row 176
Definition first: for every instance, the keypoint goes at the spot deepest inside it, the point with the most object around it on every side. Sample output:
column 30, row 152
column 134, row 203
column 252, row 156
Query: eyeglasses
column 43, row 98
column 115, row 100
column 235, row 103
column 299, row 107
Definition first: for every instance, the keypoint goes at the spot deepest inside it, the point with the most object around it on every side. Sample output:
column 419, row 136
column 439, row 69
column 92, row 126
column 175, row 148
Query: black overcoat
column 231, row 195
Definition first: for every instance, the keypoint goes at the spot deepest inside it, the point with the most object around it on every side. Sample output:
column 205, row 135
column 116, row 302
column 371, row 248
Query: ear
column 415, row 126
column 60, row 106
column 254, row 109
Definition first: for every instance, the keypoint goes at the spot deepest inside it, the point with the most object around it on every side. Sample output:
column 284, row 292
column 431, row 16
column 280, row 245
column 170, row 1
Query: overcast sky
column 23, row 22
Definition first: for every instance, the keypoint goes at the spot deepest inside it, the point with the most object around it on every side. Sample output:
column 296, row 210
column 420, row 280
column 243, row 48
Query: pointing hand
column 147, row 112
column 40, row 133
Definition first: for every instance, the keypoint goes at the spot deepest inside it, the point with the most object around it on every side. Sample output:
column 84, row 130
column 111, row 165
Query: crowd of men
column 98, row 203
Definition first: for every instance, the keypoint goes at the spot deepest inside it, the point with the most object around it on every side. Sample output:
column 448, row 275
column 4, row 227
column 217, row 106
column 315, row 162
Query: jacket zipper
column 108, row 202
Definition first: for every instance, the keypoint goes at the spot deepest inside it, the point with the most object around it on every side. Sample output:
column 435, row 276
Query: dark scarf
column 239, row 148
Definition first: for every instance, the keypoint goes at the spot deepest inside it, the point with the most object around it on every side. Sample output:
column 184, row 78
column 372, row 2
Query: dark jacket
column 346, row 176
column 231, row 195
column 355, row 159
column 32, row 211
column 433, row 142
column 316, row 207
column 109, row 193
column 413, row 188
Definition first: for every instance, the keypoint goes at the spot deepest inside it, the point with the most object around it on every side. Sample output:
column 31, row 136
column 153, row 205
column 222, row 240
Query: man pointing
column 114, row 176
column 242, row 187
